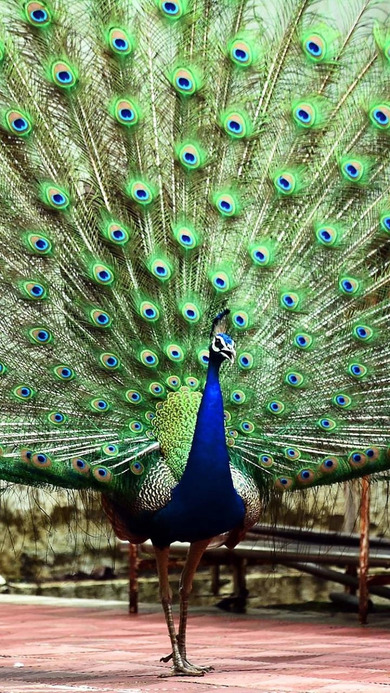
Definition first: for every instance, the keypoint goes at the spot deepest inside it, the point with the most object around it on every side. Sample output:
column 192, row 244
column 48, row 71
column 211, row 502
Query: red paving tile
column 54, row 649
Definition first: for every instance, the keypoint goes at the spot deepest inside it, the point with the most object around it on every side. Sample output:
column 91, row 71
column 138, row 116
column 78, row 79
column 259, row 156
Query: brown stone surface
column 101, row 649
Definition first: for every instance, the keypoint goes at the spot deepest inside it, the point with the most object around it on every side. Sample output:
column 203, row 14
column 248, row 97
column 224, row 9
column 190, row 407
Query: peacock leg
column 194, row 555
column 180, row 668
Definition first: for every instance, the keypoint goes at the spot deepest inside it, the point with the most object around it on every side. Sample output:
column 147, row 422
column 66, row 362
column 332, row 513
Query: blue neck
column 209, row 458
column 204, row 503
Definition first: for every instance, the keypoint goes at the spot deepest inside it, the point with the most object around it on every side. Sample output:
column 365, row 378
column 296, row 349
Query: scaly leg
column 180, row 668
column 194, row 555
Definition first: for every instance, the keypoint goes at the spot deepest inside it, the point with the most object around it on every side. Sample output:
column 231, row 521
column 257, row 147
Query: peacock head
column 221, row 348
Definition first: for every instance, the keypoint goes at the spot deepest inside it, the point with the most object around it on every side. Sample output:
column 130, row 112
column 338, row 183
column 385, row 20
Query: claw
column 182, row 671
column 167, row 658
column 184, row 668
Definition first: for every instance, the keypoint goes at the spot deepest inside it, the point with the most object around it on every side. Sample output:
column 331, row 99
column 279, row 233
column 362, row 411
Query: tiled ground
column 48, row 648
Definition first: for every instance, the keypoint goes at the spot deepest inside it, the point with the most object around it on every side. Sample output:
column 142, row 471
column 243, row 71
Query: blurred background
column 59, row 544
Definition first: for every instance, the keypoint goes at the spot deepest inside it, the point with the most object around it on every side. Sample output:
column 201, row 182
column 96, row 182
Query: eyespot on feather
column 363, row 333
column 203, row 357
column 294, row 379
column 246, row 427
column 160, row 268
column 245, row 361
column 99, row 405
column 238, row 397
column 18, row 122
column 37, row 14
column 136, row 427
column 185, row 80
column 342, row 400
column 262, row 253
column 357, row 459
column 327, row 235
column 63, row 74
column 39, row 244
column 349, row 286
column 156, row 389
column 41, row 460
column 148, row 358
column 305, row 114
column 286, row 183
column 243, row 51
column 109, row 361
column 56, row 418
column 100, row 318
column 303, row 340
column 221, row 281
column 354, row 170
column 174, row 382
column 236, row 123
column 102, row 274
column 186, row 236
column 64, row 372
column 357, row 370
column 137, row 468
column 191, row 155
column 110, row 449
column 120, row 41
column 80, row 466
column 266, row 461
column 25, row 455
column 34, row 290
column 133, row 396
column 379, row 116
column 326, row 423
column 305, row 477
column 319, row 44
column 140, row 192
column 149, row 311
column 102, row 474
column 172, row 9
column 126, row 112
column 329, row 464
column 23, row 392
column 276, row 407
column 373, row 453
column 240, row 319
column 290, row 300
column 191, row 382
column 190, row 312
column 284, row 483
column 116, row 233
column 292, row 453
column 226, row 204
column 54, row 196
column 174, row 352
column 40, row 335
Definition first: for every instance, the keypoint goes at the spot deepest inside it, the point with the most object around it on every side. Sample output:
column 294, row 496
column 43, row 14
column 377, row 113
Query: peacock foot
column 182, row 667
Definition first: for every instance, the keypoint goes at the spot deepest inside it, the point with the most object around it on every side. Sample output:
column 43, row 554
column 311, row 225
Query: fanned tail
column 160, row 161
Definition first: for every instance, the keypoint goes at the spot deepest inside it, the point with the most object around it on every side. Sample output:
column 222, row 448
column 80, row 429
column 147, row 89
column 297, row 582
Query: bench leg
column 133, row 578
column 364, row 550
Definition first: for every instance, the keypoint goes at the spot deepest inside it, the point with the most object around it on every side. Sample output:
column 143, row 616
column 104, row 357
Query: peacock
column 171, row 167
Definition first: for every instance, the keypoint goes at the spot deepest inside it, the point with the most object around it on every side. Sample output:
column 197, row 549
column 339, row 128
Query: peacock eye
column 102, row 474
column 137, row 468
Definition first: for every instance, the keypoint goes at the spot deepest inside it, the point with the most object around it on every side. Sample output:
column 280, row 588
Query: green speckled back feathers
column 161, row 159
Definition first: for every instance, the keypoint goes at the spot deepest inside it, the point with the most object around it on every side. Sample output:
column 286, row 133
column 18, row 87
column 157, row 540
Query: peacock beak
column 229, row 353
